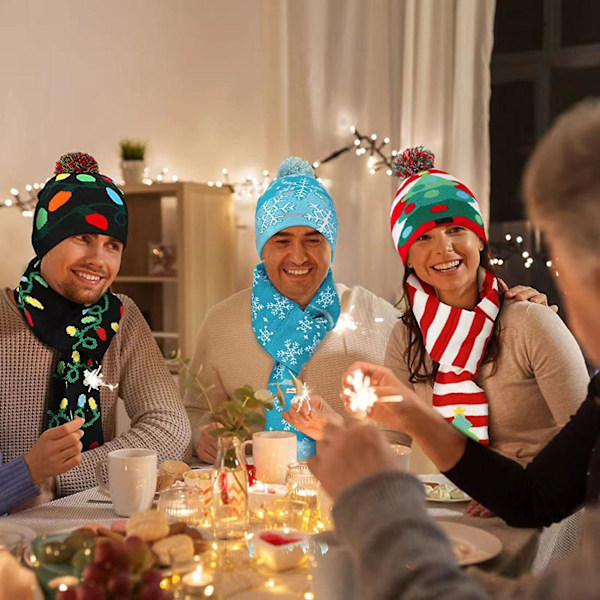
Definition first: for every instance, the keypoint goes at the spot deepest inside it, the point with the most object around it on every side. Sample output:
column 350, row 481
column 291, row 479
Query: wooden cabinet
column 180, row 257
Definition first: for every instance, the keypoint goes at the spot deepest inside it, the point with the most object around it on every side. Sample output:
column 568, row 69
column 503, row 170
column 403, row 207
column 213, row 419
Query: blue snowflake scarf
column 291, row 336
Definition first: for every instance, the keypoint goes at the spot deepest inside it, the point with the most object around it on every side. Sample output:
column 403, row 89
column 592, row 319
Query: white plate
column 471, row 545
column 439, row 479
column 27, row 533
column 448, row 501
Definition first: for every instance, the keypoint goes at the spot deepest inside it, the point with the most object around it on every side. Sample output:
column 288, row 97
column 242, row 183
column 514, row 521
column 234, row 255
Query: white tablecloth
column 521, row 547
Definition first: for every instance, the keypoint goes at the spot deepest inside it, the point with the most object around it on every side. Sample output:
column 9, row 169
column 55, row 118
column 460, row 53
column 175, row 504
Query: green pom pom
column 295, row 166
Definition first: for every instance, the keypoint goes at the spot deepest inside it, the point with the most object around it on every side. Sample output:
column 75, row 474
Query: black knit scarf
column 81, row 334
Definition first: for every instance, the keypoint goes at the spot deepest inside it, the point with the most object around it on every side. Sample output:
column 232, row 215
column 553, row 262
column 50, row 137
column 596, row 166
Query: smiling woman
column 500, row 372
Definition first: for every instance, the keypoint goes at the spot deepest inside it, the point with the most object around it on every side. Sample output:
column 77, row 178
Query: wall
column 83, row 75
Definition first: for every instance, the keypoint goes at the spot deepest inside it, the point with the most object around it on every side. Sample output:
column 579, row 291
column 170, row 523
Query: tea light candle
column 63, row 583
column 198, row 582
column 261, row 494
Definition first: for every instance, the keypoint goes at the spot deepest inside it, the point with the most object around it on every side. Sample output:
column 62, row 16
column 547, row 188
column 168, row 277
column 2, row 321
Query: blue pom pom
column 295, row 166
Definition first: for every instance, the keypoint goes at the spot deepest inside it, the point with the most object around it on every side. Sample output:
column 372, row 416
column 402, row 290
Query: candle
column 63, row 583
column 262, row 494
column 198, row 582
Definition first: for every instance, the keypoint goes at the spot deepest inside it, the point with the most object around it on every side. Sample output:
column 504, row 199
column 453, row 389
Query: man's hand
column 348, row 454
column 311, row 421
column 207, row 444
column 57, row 451
column 525, row 292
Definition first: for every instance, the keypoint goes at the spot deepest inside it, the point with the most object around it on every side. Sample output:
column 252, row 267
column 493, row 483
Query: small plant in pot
column 132, row 161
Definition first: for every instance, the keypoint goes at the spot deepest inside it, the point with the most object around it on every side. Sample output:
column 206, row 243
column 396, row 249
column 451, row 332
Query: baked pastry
column 174, row 549
column 175, row 468
column 150, row 525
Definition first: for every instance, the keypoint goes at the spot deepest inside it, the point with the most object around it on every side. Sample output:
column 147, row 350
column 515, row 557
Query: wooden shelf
column 198, row 220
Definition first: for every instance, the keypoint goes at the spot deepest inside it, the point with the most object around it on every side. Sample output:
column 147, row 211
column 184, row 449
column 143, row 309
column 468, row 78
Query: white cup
column 403, row 454
column 131, row 479
column 332, row 569
column 273, row 451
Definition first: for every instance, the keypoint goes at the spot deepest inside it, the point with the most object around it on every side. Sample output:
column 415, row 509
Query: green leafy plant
column 131, row 150
column 240, row 415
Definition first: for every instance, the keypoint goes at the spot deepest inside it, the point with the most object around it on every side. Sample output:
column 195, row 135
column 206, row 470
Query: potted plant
column 132, row 161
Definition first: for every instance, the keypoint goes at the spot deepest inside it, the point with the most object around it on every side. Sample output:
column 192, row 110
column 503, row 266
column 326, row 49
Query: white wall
column 81, row 75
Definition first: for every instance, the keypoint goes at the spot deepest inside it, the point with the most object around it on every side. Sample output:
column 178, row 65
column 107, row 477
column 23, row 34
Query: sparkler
column 95, row 380
column 361, row 395
column 302, row 395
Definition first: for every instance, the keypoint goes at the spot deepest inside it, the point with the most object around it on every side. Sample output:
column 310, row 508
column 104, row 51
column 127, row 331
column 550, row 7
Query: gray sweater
column 402, row 554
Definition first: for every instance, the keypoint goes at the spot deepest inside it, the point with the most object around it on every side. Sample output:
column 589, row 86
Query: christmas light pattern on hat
column 428, row 198
column 78, row 199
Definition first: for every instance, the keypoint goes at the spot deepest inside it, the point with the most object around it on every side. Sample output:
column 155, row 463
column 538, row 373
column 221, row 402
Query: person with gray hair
column 380, row 513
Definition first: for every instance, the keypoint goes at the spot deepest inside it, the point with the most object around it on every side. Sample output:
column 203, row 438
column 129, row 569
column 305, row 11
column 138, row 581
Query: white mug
column 273, row 451
column 333, row 572
column 403, row 454
column 131, row 479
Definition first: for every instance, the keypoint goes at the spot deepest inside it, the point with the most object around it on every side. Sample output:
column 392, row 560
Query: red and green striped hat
column 78, row 199
column 428, row 198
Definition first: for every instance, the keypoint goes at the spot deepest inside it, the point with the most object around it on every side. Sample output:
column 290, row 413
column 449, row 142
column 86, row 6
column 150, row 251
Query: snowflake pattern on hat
column 295, row 199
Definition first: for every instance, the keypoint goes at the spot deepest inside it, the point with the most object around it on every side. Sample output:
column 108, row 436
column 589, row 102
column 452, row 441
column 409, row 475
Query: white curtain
column 414, row 70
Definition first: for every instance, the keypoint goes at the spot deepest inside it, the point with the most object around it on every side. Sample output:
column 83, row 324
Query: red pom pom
column 413, row 161
column 76, row 162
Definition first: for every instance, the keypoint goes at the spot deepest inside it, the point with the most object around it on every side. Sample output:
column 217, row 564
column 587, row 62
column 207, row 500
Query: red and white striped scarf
column 456, row 338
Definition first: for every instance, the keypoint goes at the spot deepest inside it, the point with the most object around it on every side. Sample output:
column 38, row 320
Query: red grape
column 90, row 592
column 95, row 573
column 120, row 584
column 152, row 577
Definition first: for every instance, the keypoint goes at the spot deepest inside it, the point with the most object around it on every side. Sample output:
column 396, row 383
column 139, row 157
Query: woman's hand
column 397, row 403
column 311, row 421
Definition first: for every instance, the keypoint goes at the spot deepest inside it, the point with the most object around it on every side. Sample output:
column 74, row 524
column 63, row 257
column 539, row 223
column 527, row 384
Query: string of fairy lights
column 379, row 159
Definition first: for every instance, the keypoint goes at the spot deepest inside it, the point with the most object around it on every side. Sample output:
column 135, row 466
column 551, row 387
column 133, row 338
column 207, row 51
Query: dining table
column 240, row 577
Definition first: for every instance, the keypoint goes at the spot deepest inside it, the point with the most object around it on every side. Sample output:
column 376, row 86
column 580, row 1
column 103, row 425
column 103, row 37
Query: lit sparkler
column 302, row 395
column 361, row 395
column 95, row 380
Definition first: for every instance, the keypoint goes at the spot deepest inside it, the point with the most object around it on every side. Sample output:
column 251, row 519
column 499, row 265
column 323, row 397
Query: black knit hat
column 78, row 199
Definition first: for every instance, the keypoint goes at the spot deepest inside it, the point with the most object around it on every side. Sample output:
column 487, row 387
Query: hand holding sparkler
column 309, row 413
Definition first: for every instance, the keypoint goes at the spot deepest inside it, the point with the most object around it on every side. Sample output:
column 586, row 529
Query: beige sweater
column 231, row 357
column 541, row 378
column 133, row 360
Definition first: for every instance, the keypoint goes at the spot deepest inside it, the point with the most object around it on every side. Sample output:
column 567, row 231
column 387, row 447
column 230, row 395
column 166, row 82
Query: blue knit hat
column 295, row 198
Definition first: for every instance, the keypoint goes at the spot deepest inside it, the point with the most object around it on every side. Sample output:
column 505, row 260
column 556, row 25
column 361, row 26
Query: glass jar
column 182, row 504
column 303, row 486
column 230, row 490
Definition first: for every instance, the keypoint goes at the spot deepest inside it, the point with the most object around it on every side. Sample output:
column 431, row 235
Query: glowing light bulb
column 548, row 263
column 386, row 140
column 8, row 202
column 211, row 183
column 388, row 172
column 373, row 137
column 224, row 171
column 508, row 237
column 28, row 187
column 518, row 239
column 525, row 254
column 316, row 164
column 14, row 191
column 352, row 129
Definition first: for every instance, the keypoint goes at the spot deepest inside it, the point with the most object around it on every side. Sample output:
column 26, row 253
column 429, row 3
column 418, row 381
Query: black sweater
column 551, row 487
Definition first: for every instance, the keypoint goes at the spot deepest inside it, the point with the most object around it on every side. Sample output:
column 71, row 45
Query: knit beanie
column 78, row 199
column 295, row 198
column 428, row 198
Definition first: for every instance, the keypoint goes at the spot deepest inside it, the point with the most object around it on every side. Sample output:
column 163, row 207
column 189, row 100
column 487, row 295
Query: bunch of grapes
column 119, row 571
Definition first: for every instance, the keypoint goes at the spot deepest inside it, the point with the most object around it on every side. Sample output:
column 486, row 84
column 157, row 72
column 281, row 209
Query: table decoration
column 261, row 495
column 182, row 504
column 302, row 484
column 197, row 584
column 281, row 549
column 285, row 512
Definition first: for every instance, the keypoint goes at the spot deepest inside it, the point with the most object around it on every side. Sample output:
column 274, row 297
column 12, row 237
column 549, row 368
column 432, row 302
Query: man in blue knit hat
column 295, row 321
